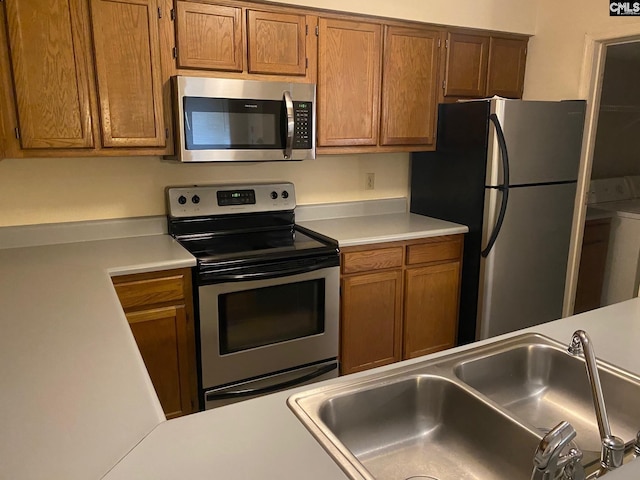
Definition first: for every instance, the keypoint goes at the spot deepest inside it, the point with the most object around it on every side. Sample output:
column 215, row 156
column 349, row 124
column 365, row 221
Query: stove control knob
column 182, row 199
column 274, row 195
column 285, row 194
column 195, row 199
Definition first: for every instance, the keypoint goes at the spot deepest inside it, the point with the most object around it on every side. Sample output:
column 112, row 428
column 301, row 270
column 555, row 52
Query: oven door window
column 269, row 315
column 220, row 123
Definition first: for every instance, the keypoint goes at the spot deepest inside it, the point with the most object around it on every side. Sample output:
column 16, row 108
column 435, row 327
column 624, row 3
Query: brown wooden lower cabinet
column 399, row 300
column 371, row 320
column 431, row 308
column 593, row 259
column 159, row 309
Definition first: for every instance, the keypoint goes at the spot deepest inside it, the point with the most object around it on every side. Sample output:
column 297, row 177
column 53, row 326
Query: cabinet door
column 348, row 82
column 209, row 36
column 431, row 308
column 49, row 56
column 466, row 67
column 127, row 59
column 595, row 244
column 409, row 92
column 507, row 58
column 276, row 43
column 371, row 321
column 162, row 337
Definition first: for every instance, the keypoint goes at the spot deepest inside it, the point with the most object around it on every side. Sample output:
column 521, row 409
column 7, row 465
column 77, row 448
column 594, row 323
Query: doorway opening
column 605, row 250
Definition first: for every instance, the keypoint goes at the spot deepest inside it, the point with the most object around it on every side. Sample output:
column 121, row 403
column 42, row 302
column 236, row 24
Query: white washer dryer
column 621, row 198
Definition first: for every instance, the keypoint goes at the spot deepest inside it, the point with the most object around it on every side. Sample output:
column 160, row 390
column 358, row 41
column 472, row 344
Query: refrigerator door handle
column 503, row 188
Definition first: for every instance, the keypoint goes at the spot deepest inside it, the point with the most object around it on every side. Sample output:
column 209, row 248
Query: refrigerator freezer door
column 544, row 141
column 522, row 279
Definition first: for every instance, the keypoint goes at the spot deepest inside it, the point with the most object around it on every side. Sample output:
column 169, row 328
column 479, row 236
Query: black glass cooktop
column 277, row 243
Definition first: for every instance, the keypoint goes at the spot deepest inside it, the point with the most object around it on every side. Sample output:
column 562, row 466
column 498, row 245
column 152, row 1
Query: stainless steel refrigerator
column 508, row 170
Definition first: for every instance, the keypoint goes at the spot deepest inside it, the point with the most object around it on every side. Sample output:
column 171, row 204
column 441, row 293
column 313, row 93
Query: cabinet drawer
column 353, row 262
column 149, row 291
column 434, row 252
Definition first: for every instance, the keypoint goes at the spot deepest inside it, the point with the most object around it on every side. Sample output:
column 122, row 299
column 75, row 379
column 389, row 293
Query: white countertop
column 262, row 438
column 361, row 230
column 76, row 396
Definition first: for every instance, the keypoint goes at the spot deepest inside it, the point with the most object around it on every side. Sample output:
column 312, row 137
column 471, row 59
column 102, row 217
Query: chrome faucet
column 550, row 464
column 612, row 452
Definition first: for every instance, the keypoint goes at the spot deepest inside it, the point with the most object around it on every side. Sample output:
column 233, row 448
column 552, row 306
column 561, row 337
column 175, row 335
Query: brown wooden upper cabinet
column 127, row 57
column 466, row 67
column 85, row 77
column 409, row 86
column 211, row 37
column 507, row 57
column 49, row 44
column 351, row 85
column 348, row 82
column 483, row 65
column 86, row 74
column 276, row 43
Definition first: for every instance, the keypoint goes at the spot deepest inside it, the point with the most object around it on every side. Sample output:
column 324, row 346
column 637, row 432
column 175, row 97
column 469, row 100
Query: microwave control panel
column 302, row 114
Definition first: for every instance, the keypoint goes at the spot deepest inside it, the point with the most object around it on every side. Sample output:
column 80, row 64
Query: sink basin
column 427, row 426
column 475, row 414
column 543, row 385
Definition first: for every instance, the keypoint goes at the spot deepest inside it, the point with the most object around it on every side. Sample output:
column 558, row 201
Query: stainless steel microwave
column 231, row 120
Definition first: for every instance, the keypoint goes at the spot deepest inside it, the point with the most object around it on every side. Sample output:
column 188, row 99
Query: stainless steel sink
column 477, row 414
column 424, row 425
column 542, row 385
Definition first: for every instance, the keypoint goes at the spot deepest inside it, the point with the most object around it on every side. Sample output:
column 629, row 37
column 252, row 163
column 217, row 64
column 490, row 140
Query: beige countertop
column 77, row 402
column 76, row 396
column 368, row 229
column 262, row 438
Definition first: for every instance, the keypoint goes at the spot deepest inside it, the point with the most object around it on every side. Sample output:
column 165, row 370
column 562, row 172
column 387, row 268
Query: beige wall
column 60, row 190
column 518, row 16
column 555, row 55
column 73, row 189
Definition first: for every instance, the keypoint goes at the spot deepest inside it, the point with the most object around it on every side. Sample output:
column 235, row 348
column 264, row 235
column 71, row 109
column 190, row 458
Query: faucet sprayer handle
column 551, row 445
column 549, row 462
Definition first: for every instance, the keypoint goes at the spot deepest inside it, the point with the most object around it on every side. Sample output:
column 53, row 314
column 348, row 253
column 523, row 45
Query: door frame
column 592, row 74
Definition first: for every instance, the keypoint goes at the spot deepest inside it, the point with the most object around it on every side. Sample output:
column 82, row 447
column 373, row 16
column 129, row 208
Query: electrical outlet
column 370, row 181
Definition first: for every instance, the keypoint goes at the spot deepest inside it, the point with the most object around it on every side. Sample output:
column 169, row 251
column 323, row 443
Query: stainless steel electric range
column 267, row 290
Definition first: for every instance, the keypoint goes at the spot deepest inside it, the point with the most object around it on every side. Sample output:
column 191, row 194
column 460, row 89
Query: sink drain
column 421, row 477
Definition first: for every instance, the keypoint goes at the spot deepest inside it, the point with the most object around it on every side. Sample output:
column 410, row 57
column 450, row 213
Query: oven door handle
column 265, row 275
column 247, row 392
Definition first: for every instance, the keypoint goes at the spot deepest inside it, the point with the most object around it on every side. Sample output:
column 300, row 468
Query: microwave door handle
column 288, row 103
